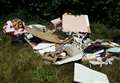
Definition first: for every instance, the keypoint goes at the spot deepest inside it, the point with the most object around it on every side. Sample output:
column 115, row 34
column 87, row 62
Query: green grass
column 22, row 65
column 112, row 71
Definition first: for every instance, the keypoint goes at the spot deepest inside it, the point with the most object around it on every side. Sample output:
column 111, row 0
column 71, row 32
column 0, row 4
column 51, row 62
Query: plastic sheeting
column 8, row 27
column 115, row 50
column 70, row 59
column 45, row 47
column 38, row 27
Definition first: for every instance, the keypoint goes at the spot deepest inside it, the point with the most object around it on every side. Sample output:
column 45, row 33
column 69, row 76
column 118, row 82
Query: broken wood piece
column 31, row 44
column 45, row 35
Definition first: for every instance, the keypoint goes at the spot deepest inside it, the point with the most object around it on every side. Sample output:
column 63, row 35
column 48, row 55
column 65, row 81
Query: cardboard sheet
column 73, row 23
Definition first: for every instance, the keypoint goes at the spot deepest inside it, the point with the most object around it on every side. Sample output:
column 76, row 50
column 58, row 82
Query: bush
column 106, row 11
column 100, row 30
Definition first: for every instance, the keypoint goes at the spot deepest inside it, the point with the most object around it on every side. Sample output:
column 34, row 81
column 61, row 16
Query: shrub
column 99, row 30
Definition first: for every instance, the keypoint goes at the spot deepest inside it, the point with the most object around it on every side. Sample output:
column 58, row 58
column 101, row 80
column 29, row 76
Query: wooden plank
column 30, row 43
column 45, row 35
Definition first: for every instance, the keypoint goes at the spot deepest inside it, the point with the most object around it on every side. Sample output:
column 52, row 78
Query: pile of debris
column 76, row 45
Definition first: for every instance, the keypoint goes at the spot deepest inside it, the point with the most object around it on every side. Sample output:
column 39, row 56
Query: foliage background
column 105, row 11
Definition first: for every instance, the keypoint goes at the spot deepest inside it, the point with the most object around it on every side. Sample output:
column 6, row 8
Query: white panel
column 84, row 74
column 73, row 23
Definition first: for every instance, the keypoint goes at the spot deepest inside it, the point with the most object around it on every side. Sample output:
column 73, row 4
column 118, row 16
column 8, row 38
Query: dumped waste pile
column 75, row 45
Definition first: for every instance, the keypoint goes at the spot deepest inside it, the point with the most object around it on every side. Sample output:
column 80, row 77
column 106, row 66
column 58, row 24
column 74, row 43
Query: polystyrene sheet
column 84, row 74
column 73, row 23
